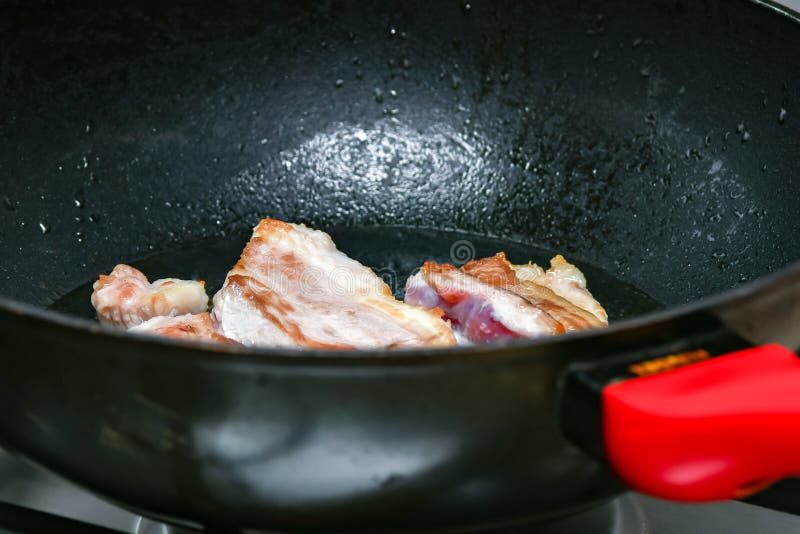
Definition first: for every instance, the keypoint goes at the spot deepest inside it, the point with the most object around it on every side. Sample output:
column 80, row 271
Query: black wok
column 654, row 143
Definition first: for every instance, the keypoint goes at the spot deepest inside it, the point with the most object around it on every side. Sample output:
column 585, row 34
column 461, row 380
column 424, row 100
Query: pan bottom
column 393, row 252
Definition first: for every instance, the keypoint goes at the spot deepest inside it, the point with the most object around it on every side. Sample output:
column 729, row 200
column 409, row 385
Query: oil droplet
column 338, row 83
column 44, row 227
column 782, row 116
column 596, row 27
column 466, row 7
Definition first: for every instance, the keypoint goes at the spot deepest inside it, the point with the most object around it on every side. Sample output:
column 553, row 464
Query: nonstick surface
column 657, row 141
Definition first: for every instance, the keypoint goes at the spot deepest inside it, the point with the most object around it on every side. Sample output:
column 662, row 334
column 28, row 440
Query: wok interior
column 657, row 140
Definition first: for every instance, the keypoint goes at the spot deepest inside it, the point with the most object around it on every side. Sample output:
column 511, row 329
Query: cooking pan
column 653, row 143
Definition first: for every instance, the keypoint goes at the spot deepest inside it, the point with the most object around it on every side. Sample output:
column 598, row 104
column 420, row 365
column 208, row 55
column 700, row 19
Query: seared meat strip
column 125, row 297
column 565, row 280
column 480, row 311
column 486, row 300
column 292, row 287
column 187, row 326
column 498, row 271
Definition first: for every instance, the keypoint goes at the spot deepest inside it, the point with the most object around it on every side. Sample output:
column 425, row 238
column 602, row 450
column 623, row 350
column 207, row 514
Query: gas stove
column 35, row 500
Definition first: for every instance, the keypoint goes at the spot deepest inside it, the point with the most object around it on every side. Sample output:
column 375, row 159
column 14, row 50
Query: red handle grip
column 719, row 429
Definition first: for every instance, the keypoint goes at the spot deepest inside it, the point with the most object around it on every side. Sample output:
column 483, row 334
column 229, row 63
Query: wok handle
column 721, row 428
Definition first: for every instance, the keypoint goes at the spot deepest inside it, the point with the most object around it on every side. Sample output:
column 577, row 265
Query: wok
column 654, row 143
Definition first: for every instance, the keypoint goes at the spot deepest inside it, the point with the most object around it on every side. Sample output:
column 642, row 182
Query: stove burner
column 622, row 516
column 34, row 500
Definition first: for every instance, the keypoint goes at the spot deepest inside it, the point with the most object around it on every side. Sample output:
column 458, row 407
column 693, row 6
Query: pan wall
column 656, row 139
